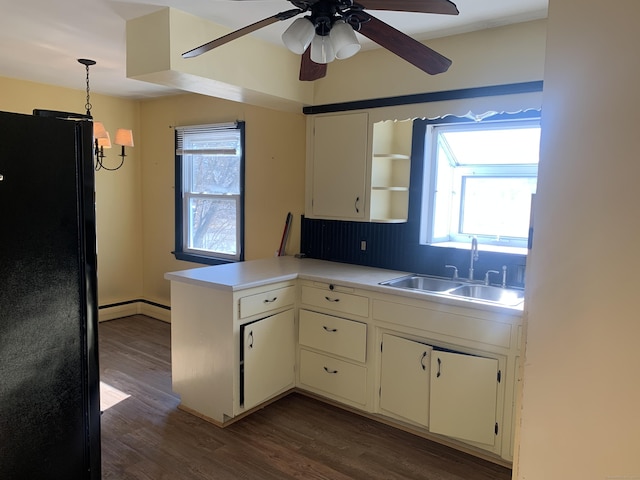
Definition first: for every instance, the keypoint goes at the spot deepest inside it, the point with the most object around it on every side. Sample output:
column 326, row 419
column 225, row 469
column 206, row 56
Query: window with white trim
column 479, row 181
column 210, row 193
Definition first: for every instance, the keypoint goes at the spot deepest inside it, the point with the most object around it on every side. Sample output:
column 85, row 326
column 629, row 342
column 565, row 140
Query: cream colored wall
column 118, row 199
column 509, row 54
column 274, row 179
column 135, row 204
column 581, row 399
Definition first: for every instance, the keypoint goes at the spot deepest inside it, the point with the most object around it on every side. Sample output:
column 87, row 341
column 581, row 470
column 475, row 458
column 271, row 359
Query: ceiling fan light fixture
column 322, row 49
column 297, row 37
column 344, row 41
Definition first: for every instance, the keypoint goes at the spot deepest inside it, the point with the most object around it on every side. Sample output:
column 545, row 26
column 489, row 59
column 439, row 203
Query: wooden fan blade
column 310, row 70
column 403, row 45
column 240, row 33
column 421, row 6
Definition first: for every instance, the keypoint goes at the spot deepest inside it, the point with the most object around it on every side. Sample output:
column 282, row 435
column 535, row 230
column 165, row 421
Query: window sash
column 190, row 234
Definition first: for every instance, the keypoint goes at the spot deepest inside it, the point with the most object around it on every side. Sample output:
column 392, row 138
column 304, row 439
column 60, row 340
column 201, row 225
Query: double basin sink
column 459, row 288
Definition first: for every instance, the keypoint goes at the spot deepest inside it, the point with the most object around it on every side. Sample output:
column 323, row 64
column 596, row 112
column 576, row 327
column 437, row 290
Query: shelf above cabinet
column 389, row 220
column 391, row 189
column 392, row 156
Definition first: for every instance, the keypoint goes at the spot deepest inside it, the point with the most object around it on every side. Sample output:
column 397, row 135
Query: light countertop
column 254, row 273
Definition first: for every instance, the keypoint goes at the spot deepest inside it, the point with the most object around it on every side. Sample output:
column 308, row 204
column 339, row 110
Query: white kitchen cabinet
column 231, row 350
column 333, row 349
column 404, row 379
column 357, row 170
column 463, row 397
column 337, row 187
column 334, row 335
column 333, row 298
column 268, row 357
column 334, row 378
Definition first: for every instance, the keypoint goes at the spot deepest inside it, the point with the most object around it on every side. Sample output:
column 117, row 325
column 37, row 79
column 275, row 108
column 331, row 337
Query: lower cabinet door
column 404, row 379
column 334, row 377
column 463, row 396
column 268, row 358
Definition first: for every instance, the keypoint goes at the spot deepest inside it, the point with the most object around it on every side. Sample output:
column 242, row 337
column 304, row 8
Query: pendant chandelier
column 101, row 137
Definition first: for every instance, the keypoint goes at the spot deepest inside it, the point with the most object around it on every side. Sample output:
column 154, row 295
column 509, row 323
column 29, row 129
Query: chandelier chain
column 88, row 105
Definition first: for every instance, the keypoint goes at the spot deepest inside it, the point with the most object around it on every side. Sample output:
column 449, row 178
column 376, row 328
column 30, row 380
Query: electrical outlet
column 363, row 245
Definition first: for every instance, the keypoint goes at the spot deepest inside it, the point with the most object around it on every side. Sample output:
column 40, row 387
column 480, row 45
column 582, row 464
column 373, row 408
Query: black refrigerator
column 49, row 376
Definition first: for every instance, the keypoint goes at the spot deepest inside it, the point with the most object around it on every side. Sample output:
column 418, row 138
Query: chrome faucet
column 474, row 256
column 455, row 271
column 486, row 276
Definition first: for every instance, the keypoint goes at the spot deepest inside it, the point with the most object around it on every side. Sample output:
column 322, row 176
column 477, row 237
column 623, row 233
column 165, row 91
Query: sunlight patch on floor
column 110, row 396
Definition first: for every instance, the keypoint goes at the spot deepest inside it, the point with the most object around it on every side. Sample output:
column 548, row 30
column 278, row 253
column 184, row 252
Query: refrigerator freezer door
column 49, row 380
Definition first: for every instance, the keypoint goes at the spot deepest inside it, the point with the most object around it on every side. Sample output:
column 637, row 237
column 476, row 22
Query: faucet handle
column 455, row 271
column 486, row 276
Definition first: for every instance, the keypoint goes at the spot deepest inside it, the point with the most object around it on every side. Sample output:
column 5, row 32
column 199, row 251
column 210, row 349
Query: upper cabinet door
column 339, row 166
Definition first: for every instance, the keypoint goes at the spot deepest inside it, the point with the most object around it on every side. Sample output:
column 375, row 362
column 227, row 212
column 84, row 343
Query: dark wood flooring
column 146, row 436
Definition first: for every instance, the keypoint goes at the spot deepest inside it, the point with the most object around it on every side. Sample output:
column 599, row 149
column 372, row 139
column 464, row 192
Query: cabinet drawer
column 338, row 301
column 338, row 336
column 267, row 301
column 333, row 376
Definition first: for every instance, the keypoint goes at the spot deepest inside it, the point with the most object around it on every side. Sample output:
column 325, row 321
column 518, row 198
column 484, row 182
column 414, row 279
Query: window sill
column 483, row 247
column 190, row 257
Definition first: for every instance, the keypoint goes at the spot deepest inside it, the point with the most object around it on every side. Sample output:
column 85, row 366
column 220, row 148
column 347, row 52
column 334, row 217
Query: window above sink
column 478, row 181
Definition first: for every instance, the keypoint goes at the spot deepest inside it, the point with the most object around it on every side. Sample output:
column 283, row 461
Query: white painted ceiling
column 41, row 40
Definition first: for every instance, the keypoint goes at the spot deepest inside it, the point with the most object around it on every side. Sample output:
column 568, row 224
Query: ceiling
column 42, row 39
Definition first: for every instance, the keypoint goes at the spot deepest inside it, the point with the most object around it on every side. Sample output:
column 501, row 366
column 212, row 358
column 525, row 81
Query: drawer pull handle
column 439, row 365
column 250, row 339
column 424, row 355
column 332, row 299
column 329, row 329
column 270, row 301
column 329, row 370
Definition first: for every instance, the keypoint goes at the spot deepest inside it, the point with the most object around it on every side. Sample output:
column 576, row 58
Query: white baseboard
column 134, row 308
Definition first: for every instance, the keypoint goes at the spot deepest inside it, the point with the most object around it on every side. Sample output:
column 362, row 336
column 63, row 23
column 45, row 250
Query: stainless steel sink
column 473, row 291
column 486, row 293
column 423, row 282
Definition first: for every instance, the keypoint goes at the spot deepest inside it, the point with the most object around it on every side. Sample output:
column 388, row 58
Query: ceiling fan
column 328, row 33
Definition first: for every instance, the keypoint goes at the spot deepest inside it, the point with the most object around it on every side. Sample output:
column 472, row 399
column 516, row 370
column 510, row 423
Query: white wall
column 581, row 399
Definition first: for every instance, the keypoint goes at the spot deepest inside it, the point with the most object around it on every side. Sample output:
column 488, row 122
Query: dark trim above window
column 489, row 91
